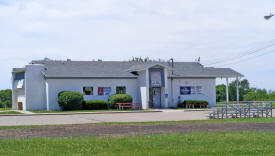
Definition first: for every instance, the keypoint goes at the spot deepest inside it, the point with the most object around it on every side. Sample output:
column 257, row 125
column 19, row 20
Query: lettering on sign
column 190, row 90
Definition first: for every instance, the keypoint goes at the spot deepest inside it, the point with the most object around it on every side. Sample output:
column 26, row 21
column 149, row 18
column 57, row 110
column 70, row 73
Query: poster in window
column 156, row 79
column 20, row 84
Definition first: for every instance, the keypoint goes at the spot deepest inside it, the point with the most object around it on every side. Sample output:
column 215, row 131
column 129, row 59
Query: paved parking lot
column 96, row 118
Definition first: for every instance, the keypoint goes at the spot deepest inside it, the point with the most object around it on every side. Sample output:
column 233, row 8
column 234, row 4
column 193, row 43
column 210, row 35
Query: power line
column 247, row 59
column 240, row 55
column 226, row 57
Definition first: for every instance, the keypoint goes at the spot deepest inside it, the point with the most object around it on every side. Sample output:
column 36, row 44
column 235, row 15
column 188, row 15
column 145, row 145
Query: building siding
column 55, row 86
column 35, row 88
column 208, row 90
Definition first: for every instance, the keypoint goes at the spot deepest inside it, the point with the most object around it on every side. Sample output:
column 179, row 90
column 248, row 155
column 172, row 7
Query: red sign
column 100, row 91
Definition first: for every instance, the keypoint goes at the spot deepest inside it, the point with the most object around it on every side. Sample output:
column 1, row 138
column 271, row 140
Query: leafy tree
column 255, row 94
column 221, row 93
column 5, row 98
column 245, row 92
column 232, row 88
column 243, row 89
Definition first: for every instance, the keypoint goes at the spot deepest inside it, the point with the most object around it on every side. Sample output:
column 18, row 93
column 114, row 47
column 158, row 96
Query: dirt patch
column 131, row 130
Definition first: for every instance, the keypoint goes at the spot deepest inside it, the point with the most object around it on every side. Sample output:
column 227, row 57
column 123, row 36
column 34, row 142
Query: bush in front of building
column 69, row 100
column 196, row 103
column 95, row 105
column 119, row 98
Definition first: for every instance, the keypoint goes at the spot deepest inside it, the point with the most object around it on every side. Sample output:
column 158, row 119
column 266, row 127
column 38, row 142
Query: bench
column 128, row 105
column 201, row 105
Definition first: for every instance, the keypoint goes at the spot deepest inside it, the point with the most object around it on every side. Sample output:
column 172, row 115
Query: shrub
column 119, row 98
column 196, row 103
column 95, row 105
column 69, row 100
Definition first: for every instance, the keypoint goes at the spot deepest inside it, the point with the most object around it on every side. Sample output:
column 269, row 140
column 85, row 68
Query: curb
column 77, row 113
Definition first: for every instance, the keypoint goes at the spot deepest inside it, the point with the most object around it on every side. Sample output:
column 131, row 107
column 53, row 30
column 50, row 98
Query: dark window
column 121, row 90
column 88, row 90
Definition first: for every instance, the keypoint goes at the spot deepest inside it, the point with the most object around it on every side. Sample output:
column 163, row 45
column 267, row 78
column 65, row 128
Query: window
column 88, row 90
column 121, row 90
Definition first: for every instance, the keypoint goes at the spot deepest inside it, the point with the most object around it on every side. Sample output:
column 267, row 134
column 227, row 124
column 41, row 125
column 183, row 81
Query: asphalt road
column 96, row 118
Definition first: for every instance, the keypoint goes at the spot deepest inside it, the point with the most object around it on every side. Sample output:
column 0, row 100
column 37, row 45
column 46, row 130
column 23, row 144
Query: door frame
column 20, row 105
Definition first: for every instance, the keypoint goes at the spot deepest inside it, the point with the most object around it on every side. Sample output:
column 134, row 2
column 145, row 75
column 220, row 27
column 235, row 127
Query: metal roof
column 123, row 69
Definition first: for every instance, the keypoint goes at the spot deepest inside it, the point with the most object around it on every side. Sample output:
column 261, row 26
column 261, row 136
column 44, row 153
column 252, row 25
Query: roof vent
column 46, row 59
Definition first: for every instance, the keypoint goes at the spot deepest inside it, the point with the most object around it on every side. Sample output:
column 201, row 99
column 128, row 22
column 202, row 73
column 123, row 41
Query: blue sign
column 185, row 90
column 166, row 96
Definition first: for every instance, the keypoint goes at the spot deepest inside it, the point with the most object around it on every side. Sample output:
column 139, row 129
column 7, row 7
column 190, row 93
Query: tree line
column 246, row 93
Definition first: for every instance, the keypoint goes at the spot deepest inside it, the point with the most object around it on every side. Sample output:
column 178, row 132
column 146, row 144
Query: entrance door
column 156, row 97
column 20, row 106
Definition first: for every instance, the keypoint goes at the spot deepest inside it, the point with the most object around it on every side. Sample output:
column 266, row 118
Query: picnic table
column 128, row 105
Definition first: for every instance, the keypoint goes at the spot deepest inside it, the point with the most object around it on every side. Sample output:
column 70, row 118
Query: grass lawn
column 4, row 109
column 204, row 143
column 9, row 112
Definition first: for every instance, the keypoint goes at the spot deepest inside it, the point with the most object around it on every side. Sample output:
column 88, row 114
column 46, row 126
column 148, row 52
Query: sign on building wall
column 100, row 91
column 107, row 90
column 104, row 91
column 188, row 90
column 156, row 78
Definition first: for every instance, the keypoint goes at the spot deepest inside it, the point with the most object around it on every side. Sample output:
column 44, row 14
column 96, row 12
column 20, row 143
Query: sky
column 222, row 33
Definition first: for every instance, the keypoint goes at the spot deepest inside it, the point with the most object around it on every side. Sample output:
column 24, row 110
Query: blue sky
column 215, row 30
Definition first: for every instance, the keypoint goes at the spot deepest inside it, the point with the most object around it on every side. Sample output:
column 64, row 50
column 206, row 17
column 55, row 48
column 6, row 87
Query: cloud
column 120, row 29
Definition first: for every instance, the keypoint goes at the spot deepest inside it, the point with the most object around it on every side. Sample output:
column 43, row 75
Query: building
column 154, row 84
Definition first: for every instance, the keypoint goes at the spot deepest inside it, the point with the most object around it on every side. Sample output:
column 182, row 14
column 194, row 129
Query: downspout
column 172, row 90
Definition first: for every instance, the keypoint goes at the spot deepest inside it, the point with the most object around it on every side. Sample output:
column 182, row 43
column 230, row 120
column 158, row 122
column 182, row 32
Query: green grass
column 4, row 109
column 10, row 112
column 79, row 111
column 203, row 143
column 251, row 120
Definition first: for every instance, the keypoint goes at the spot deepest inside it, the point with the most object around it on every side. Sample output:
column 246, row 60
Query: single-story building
column 153, row 84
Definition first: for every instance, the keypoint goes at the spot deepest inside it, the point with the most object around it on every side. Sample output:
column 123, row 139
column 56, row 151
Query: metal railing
column 244, row 109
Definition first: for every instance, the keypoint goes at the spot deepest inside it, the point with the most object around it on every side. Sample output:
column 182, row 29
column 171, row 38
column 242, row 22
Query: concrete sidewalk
column 97, row 118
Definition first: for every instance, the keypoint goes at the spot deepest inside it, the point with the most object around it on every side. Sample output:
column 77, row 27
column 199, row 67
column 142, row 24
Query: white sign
column 189, row 90
column 20, row 83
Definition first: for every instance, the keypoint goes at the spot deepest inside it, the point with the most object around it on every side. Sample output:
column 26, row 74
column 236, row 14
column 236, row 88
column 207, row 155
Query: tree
column 220, row 93
column 5, row 98
column 255, row 94
column 232, row 88
column 243, row 88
